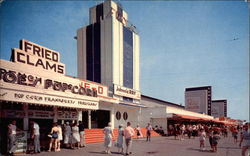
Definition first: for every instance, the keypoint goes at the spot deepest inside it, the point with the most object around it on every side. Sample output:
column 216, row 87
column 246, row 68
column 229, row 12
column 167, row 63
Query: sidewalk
column 159, row 146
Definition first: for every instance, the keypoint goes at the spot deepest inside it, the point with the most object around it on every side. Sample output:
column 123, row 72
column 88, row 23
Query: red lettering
column 100, row 90
column 86, row 85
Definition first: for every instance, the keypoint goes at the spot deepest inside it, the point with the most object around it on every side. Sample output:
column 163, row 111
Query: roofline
column 222, row 100
column 198, row 88
column 174, row 104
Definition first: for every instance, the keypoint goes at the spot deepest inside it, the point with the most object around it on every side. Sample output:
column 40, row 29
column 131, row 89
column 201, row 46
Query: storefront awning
column 176, row 116
column 186, row 117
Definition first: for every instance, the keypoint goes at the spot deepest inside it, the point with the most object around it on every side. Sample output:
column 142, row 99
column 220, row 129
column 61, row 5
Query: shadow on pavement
column 104, row 153
column 98, row 153
column 199, row 150
column 229, row 147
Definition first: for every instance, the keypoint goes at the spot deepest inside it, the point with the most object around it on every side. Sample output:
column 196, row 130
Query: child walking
column 202, row 139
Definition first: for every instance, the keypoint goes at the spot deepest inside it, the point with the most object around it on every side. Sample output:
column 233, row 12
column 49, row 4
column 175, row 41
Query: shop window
column 11, row 105
column 118, row 115
column 125, row 115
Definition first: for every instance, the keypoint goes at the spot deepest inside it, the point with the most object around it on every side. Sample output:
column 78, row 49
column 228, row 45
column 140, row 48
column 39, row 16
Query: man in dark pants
column 149, row 129
column 82, row 134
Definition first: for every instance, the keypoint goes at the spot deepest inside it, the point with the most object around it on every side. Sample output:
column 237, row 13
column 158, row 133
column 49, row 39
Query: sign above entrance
column 26, row 79
column 126, row 92
column 38, row 56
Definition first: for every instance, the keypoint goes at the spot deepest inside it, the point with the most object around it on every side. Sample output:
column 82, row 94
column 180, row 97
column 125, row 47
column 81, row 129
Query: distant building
column 198, row 99
column 219, row 108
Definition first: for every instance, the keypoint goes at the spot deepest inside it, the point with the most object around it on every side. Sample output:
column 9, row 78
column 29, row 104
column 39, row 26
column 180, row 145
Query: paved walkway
column 159, row 146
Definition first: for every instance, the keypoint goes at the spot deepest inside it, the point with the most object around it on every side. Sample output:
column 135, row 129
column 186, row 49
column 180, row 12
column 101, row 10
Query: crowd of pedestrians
column 213, row 133
column 72, row 135
column 124, row 135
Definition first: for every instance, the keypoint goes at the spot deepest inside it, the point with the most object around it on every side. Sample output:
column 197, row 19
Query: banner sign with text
column 126, row 92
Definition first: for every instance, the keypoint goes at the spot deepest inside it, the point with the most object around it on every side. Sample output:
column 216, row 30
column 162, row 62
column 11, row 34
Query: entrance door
column 100, row 118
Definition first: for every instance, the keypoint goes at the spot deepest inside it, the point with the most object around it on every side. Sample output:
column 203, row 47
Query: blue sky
column 183, row 44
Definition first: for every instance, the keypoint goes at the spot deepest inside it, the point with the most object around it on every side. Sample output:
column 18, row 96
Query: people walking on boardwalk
column 60, row 137
column 36, row 136
column 210, row 137
column 175, row 132
column 75, row 136
column 149, row 129
column 194, row 132
column 224, row 131
column 189, row 131
column 182, row 131
column 119, row 142
column 170, row 130
column 202, row 139
column 108, row 135
column 235, row 134
column 54, row 137
column 215, row 140
column 12, row 144
column 245, row 140
column 138, row 132
column 178, row 131
column 82, row 134
column 67, row 135
column 128, row 134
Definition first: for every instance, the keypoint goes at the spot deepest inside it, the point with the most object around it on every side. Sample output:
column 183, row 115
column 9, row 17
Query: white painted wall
column 81, row 53
column 133, row 115
column 136, row 61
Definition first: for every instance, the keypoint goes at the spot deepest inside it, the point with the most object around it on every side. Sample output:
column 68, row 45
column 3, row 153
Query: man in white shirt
column 36, row 136
column 12, row 144
column 128, row 134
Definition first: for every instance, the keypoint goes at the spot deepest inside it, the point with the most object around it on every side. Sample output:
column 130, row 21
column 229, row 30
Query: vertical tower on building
column 108, row 51
column 198, row 99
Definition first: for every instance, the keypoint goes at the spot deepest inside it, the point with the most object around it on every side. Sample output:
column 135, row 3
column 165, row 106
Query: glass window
column 127, row 58
column 125, row 115
column 118, row 115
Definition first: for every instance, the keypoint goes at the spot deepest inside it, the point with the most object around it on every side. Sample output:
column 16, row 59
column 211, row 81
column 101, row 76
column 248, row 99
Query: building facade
column 199, row 99
column 219, row 108
column 108, row 52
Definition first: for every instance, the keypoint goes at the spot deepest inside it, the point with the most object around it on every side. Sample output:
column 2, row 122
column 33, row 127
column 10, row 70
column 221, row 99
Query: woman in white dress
column 119, row 143
column 67, row 135
column 75, row 136
column 108, row 135
column 60, row 137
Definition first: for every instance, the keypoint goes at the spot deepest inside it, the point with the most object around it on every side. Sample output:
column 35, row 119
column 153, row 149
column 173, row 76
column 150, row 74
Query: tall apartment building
column 108, row 51
column 198, row 99
column 219, row 108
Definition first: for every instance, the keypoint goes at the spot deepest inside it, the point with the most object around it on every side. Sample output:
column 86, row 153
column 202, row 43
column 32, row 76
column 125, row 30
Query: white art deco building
column 108, row 52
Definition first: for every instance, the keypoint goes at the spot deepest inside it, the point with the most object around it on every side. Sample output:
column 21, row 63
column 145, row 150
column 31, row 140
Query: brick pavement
column 159, row 146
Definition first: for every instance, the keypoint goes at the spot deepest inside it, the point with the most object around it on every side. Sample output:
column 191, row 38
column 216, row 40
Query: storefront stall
column 33, row 87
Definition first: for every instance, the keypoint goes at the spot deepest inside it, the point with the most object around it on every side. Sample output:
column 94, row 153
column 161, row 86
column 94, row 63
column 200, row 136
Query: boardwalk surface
column 159, row 146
